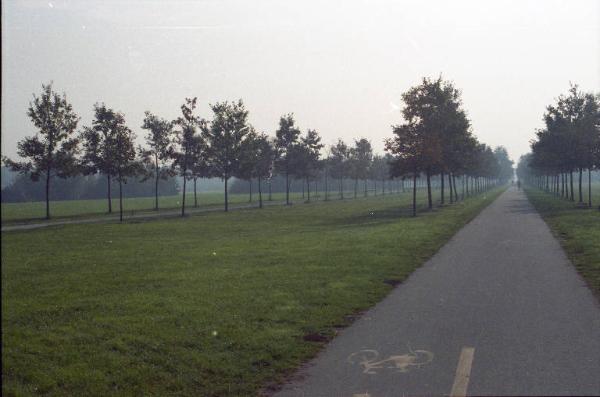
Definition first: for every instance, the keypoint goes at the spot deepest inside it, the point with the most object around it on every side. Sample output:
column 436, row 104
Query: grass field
column 578, row 230
column 12, row 212
column 214, row 305
column 35, row 211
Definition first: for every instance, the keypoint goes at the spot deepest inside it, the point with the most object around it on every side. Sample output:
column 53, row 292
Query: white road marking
column 463, row 372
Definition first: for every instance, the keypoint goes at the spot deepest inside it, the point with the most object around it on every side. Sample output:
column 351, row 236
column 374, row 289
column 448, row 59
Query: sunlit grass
column 213, row 305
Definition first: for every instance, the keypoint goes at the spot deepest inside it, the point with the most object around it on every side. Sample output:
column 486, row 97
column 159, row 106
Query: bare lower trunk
column 183, row 197
column 270, row 195
column 450, row 188
column 120, row 199
column 442, row 187
column 580, row 185
column 414, row 206
column 308, row 189
column 454, row 185
column 590, row 187
column 571, row 183
column 156, row 170
column 226, row 197
column 429, row 200
column 48, row 193
column 260, row 203
column 195, row 195
column 287, row 188
column 326, row 187
column 108, row 193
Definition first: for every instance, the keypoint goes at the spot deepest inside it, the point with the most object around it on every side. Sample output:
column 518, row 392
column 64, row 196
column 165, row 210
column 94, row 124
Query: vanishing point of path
column 499, row 310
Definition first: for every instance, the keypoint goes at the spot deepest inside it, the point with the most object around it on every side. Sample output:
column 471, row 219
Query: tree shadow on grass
column 373, row 218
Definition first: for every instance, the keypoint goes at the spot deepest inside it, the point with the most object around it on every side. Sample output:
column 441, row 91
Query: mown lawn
column 13, row 212
column 66, row 209
column 214, row 305
column 577, row 228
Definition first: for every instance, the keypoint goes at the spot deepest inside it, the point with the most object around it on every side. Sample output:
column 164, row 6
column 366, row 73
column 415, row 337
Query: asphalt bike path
column 499, row 310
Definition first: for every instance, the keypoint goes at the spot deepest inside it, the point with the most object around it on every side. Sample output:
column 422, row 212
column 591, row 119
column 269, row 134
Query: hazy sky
column 340, row 66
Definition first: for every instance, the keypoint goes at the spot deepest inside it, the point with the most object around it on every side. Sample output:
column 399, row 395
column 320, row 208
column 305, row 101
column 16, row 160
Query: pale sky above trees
column 339, row 66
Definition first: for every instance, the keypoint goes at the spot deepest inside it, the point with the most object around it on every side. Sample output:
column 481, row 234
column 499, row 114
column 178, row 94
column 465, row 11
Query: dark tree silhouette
column 156, row 158
column 286, row 141
column 225, row 135
column 52, row 151
column 185, row 150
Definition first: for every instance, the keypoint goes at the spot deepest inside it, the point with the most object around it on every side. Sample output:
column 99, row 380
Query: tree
column 185, row 150
column 361, row 156
column 52, row 151
column 99, row 146
column 124, row 157
column 286, row 140
column 224, row 135
column 569, row 142
column 306, row 159
column 157, row 156
column 432, row 109
column 505, row 164
column 257, row 157
column 338, row 161
column 379, row 171
column 408, row 147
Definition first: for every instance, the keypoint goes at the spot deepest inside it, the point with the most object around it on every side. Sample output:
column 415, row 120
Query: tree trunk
column 366, row 188
column 341, row 188
column 156, row 183
column 226, row 193
column 450, row 195
column 454, row 185
column 108, row 193
column 287, row 187
column 429, row 201
column 571, row 183
column 120, row 199
column 308, row 189
column 183, row 198
column 414, row 194
column 48, row 171
column 355, row 186
column 580, row 185
column 260, row 203
column 590, row 187
column 442, row 187
column 326, row 186
column 195, row 195
column 270, row 196
column 250, row 186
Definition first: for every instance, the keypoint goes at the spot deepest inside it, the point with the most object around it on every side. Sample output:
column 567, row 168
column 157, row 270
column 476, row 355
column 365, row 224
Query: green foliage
column 52, row 151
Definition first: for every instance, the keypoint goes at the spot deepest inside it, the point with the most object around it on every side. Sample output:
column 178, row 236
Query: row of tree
column 190, row 147
column 568, row 144
column 436, row 139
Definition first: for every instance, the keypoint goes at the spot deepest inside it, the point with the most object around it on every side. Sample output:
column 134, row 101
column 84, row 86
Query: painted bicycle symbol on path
column 370, row 362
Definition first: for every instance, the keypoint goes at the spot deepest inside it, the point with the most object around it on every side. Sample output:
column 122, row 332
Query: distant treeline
column 566, row 147
column 81, row 188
